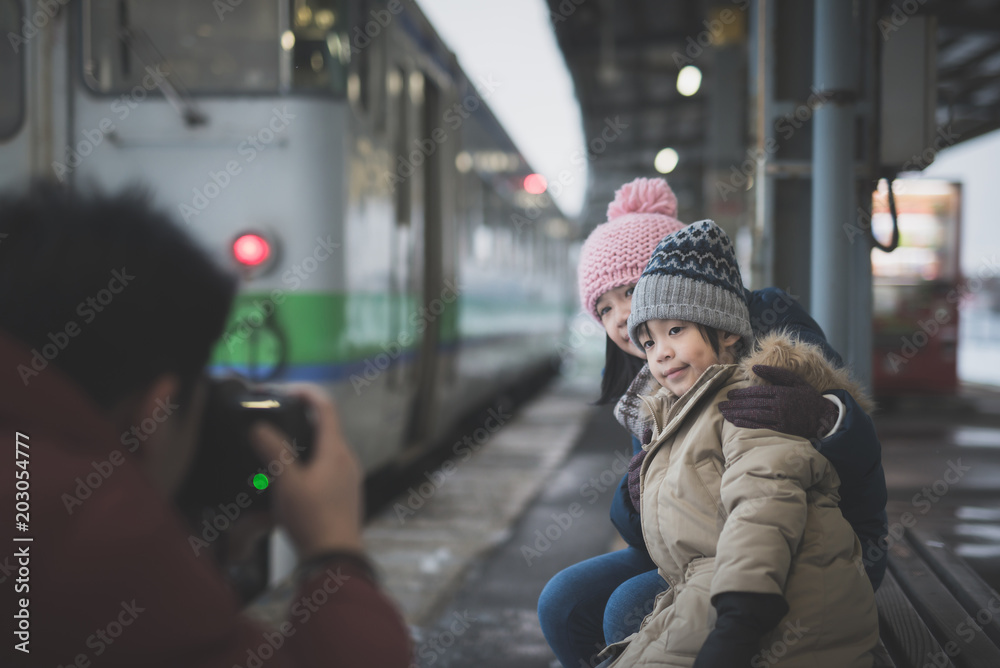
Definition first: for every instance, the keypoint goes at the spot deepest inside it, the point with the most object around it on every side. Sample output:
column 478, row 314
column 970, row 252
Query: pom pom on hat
column 642, row 213
column 644, row 196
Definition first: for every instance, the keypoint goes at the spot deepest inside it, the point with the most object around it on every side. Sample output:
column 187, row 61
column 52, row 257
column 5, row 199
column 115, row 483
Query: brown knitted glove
column 789, row 405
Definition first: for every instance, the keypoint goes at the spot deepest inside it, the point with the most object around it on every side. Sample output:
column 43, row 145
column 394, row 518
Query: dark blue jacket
column 854, row 450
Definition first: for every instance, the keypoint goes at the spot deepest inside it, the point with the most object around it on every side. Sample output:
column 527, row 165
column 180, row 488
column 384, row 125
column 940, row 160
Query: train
column 335, row 154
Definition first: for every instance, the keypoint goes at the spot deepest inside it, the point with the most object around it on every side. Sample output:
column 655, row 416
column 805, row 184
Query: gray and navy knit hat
column 693, row 275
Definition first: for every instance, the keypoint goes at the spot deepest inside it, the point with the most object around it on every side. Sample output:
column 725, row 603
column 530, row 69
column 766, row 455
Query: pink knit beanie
column 643, row 212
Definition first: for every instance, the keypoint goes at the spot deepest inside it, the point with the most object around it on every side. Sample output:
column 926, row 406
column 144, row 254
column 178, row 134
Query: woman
column 604, row 599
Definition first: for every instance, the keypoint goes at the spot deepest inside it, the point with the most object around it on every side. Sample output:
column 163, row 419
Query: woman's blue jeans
column 597, row 602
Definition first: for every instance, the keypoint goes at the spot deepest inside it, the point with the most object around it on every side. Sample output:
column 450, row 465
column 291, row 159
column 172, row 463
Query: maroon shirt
column 110, row 579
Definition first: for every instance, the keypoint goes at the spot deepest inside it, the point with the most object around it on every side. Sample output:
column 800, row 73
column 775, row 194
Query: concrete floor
column 464, row 578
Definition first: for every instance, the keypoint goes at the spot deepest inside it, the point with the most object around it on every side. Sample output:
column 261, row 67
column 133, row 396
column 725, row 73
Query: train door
column 403, row 253
column 415, row 102
column 433, row 302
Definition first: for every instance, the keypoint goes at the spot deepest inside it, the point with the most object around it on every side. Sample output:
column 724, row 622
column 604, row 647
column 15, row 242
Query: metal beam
column 833, row 184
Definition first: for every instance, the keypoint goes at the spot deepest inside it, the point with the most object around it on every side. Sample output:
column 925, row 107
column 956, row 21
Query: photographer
column 108, row 314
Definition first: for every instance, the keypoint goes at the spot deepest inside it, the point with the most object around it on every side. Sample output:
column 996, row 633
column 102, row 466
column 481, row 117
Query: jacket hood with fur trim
column 782, row 349
column 779, row 348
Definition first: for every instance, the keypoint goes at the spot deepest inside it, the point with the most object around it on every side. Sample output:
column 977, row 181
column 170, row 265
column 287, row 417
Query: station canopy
column 623, row 57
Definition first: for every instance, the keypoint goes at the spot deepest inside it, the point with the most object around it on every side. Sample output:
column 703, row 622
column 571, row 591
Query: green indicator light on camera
column 260, row 481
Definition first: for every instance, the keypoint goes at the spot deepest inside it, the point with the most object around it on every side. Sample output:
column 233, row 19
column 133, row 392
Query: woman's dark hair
column 108, row 288
column 620, row 369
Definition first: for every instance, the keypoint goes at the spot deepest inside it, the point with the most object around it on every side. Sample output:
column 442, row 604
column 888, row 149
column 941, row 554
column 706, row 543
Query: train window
column 251, row 46
column 207, row 46
column 398, row 89
column 322, row 47
column 11, row 71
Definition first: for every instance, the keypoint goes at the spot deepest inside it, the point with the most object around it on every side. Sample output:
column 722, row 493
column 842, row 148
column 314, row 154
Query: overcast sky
column 512, row 41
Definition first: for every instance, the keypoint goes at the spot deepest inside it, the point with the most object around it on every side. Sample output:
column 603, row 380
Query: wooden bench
column 934, row 610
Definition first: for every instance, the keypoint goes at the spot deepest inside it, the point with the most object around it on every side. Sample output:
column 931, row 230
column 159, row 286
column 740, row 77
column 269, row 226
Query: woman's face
column 614, row 307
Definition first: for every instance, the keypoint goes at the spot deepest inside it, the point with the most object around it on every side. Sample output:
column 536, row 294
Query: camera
column 225, row 464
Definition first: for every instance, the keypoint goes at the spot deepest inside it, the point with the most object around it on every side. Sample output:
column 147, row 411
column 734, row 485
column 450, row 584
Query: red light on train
column 251, row 250
column 535, row 184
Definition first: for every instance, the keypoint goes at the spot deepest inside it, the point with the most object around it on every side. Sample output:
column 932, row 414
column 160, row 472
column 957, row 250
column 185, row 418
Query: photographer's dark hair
column 620, row 369
column 145, row 298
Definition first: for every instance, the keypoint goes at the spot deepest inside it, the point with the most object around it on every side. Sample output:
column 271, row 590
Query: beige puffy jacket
column 727, row 509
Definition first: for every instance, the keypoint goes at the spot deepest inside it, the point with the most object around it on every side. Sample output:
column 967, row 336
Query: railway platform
column 467, row 565
column 466, row 550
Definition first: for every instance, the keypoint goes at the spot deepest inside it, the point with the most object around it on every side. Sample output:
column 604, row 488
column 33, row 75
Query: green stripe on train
column 324, row 327
column 320, row 328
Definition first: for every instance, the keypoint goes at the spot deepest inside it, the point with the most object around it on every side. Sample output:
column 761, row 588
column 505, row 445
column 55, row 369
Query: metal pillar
column 833, row 186
column 762, row 272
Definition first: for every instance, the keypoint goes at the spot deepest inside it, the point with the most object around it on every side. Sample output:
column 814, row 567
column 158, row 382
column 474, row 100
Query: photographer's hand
column 319, row 504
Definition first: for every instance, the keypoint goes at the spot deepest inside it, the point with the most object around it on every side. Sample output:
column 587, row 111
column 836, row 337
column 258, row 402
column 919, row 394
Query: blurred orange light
column 535, row 184
column 251, row 250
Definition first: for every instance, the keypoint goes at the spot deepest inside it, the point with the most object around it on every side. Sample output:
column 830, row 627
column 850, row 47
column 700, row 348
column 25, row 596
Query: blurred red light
column 535, row 184
column 251, row 250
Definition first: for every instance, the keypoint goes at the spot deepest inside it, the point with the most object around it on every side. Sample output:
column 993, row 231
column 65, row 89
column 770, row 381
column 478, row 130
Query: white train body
column 409, row 271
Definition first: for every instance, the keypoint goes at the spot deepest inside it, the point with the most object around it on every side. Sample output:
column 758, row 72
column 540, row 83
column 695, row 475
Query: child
column 742, row 523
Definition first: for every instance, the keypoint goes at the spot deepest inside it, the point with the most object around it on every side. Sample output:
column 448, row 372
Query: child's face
column 678, row 353
column 614, row 307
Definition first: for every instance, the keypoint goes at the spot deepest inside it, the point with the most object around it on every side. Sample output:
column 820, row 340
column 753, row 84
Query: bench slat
column 979, row 599
column 902, row 630
column 941, row 611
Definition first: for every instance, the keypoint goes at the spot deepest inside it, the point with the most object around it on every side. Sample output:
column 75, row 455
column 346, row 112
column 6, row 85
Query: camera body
column 225, row 464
